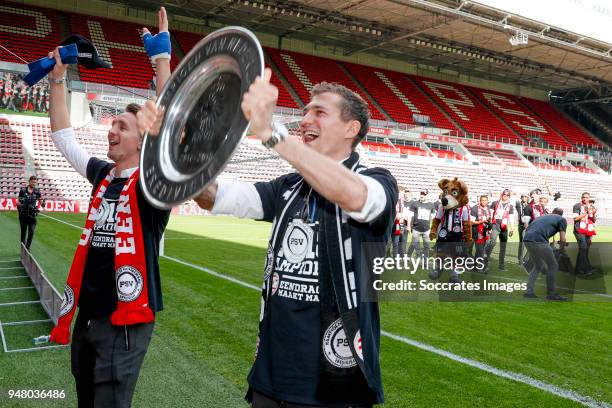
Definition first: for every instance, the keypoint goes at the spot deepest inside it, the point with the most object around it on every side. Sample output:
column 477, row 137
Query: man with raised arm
column 319, row 339
column 114, row 278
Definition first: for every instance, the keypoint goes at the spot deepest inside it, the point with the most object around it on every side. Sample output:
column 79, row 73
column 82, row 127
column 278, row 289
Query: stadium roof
column 441, row 35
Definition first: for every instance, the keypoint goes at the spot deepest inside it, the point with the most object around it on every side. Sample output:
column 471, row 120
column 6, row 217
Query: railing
column 50, row 299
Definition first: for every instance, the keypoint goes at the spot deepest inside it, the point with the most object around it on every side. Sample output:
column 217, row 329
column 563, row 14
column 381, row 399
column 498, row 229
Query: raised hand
column 59, row 70
column 258, row 105
column 158, row 45
column 162, row 22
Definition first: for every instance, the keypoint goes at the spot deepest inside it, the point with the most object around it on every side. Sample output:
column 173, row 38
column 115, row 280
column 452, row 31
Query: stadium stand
column 32, row 30
column 11, row 179
column 398, row 96
column 11, row 150
column 560, row 122
column 519, row 118
column 466, row 110
column 303, row 71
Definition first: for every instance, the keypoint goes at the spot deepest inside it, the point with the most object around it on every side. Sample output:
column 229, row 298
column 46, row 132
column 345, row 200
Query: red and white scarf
column 536, row 210
column 587, row 224
column 482, row 236
column 130, row 265
column 505, row 216
column 397, row 226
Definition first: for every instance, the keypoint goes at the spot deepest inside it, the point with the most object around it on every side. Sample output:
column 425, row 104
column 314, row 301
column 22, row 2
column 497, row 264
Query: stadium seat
column 518, row 117
column 559, row 121
column 466, row 110
column 303, row 71
column 29, row 32
column 397, row 95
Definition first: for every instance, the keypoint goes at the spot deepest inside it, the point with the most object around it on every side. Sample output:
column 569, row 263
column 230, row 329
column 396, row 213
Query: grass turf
column 204, row 341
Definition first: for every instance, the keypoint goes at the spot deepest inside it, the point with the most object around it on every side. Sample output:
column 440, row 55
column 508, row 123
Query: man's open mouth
column 309, row 135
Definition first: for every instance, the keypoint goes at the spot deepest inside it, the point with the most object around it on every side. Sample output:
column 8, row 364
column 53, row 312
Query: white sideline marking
column 211, row 272
column 19, row 288
column 28, row 302
column 12, row 267
column 553, row 389
column 58, row 220
column 11, row 260
column 518, row 377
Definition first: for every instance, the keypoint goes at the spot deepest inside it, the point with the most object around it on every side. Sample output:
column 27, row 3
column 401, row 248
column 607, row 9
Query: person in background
column 407, row 215
column 524, row 213
column 423, row 211
column 542, row 208
column 398, row 229
column 29, row 197
column 534, row 203
column 480, row 218
column 541, row 253
column 585, row 216
column 503, row 227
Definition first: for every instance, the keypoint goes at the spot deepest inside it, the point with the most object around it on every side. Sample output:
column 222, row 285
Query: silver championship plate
column 203, row 122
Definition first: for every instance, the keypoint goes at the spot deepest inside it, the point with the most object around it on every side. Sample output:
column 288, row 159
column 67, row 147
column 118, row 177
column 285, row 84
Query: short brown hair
column 132, row 108
column 353, row 107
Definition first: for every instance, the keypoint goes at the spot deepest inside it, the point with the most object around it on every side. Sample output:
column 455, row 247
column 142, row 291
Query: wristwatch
column 279, row 134
column 56, row 81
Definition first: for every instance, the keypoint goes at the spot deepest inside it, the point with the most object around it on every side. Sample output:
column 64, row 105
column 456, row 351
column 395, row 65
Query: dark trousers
column 542, row 259
column 106, row 360
column 521, row 247
column 28, row 225
column 583, row 265
column 261, row 401
column 503, row 241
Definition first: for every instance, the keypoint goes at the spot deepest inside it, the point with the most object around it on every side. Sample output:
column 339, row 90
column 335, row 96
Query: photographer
column 480, row 217
column 537, row 238
column 28, row 209
column 585, row 216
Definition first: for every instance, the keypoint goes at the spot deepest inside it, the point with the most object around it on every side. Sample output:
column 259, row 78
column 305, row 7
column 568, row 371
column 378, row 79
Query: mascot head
column 454, row 193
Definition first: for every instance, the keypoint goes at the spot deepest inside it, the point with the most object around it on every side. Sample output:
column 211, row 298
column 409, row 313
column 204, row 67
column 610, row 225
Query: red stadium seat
column 558, row 120
column 303, row 71
column 519, row 118
column 466, row 110
column 397, row 95
column 28, row 31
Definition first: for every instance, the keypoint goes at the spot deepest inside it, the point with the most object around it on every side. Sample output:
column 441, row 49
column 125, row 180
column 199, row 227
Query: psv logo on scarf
column 130, row 264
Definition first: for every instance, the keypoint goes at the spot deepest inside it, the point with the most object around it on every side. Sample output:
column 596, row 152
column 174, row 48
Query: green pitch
column 204, row 340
